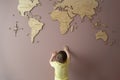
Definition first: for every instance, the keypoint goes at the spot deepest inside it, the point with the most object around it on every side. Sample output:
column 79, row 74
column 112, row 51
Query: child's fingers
column 54, row 53
column 66, row 47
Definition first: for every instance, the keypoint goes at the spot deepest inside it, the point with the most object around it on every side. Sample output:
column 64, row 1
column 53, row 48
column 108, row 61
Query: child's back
column 59, row 61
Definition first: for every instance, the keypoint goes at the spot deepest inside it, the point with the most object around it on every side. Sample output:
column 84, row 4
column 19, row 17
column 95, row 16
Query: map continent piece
column 78, row 7
column 63, row 18
column 26, row 5
column 101, row 35
column 65, row 11
column 35, row 26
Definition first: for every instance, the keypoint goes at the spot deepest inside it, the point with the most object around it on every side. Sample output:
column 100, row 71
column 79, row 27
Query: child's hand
column 66, row 48
column 54, row 53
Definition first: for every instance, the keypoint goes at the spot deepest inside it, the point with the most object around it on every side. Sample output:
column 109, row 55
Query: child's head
column 61, row 56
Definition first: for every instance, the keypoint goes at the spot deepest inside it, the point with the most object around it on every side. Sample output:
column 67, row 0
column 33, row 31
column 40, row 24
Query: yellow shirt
column 61, row 70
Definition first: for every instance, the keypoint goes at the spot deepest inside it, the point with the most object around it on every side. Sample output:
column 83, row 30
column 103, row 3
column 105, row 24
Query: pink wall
column 91, row 59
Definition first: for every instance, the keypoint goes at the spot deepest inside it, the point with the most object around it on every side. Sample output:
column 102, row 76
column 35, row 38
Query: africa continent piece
column 63, row 18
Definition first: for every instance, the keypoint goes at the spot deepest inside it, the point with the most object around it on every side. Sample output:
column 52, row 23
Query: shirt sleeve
column 53, row 63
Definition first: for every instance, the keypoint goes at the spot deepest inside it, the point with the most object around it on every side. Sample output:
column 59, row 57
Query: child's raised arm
column 52, row 56
column 66, row 49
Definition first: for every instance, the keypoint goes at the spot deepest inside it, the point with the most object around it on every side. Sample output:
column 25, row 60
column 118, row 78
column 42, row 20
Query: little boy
column 59, row 61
